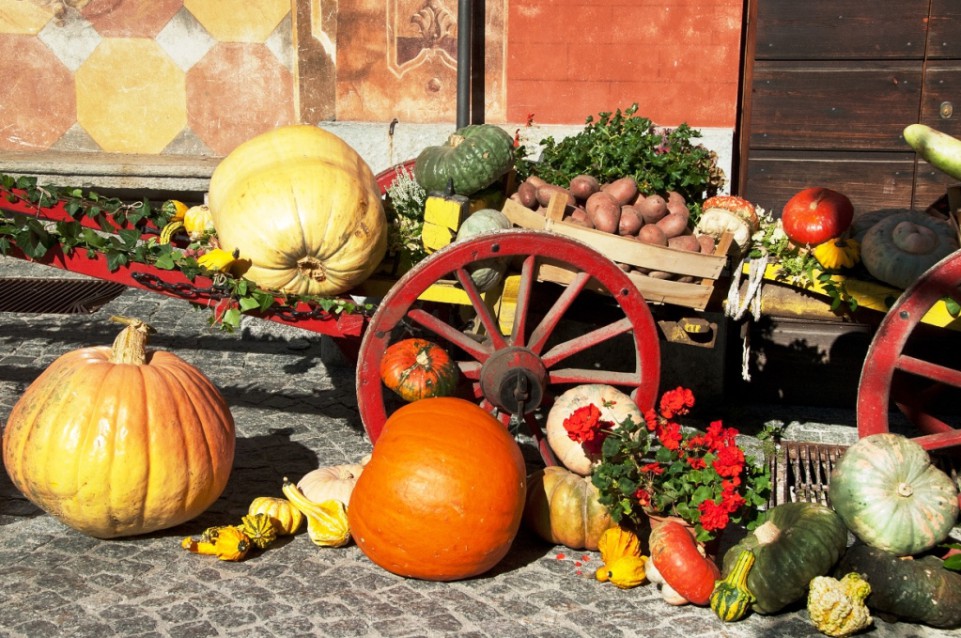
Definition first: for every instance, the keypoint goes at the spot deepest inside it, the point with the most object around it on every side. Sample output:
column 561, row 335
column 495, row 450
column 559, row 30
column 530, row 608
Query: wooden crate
column 705, row 269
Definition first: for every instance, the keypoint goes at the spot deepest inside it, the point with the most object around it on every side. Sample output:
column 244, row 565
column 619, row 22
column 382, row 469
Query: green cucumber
column 940, row 150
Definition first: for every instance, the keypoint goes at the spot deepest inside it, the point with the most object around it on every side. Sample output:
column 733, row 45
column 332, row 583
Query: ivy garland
column 34, row 237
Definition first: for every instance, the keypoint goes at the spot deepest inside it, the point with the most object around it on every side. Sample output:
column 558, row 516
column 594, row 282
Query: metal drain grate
column 56, row 296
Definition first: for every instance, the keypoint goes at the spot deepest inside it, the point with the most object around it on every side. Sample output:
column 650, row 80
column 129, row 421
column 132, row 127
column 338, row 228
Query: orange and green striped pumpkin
column 417, row 369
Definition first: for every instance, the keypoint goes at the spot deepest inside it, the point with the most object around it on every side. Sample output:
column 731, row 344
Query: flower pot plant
column 659, row 468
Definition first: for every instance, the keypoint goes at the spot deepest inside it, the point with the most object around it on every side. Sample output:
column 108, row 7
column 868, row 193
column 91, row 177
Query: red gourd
column 680, row 561
column 815, row 215
column 443, row 493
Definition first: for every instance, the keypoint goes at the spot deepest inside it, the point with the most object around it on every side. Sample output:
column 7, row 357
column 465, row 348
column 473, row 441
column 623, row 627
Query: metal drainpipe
column 465, row 10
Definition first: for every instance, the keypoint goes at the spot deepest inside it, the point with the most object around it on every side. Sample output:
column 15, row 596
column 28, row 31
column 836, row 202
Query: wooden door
column 829, row 86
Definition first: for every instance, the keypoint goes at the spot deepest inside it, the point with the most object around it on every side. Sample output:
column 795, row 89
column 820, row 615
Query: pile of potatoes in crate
column 618, row 207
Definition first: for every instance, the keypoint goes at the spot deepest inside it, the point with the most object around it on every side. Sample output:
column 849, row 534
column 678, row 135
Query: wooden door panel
column 870, row 180
column 833, row 105
column 944, row 39
column 942, row 84
column 841, row 29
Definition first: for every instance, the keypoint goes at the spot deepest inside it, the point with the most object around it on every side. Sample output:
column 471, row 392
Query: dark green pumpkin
column 919, row 590
column 796, row 542
column 473, row 158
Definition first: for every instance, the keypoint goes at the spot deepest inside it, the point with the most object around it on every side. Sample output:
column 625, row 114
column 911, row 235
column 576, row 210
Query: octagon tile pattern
column 113, row 88
column 25, row 18
column 129, row 18
column 39, row 104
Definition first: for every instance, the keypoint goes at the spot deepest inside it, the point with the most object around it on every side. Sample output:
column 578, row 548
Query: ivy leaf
column 116, row 259
column 952, row 306
column 165, row 261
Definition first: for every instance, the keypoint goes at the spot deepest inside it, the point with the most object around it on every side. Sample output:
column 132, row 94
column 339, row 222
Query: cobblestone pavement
column 293, row 412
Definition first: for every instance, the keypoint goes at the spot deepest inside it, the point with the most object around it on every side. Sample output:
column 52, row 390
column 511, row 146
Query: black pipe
column 465, row 14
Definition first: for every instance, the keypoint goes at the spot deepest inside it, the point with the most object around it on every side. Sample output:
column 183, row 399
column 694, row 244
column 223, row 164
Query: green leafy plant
column 798, row 267
column 659, row 468
column 121, row 227
column 622, row 144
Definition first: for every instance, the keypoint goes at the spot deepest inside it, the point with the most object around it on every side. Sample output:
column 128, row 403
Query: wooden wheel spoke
column 579, row 376
column 572, row 346
column 522, row 306
column 928, row 370
column 450, row 333
column 543, row 331
column 469, row 369
column 481, row 308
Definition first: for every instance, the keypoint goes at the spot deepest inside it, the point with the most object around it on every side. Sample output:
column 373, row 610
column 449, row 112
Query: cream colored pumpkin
column 331, row 482
column 304, row 207
column 614, row 406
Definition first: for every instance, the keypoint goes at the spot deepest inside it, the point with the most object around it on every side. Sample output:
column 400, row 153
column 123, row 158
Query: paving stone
column 294, row 412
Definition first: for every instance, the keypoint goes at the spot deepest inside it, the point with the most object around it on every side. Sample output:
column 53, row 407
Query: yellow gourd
column 304, row 207
column 327, row 524
column 837, row 253
column 198, row 221
column 259, row 529
column 286, row 518
column 616, row 542
column 624, row 566
column 226, row 543
column 836, row 607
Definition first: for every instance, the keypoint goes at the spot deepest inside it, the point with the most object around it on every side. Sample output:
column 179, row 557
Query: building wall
column 117, row 84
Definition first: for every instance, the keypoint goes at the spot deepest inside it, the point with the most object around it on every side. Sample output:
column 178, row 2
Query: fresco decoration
column 419, row 31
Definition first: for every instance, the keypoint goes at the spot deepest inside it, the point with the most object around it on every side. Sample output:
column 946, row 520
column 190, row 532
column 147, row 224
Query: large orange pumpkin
column 443, row 494
column 120, row 441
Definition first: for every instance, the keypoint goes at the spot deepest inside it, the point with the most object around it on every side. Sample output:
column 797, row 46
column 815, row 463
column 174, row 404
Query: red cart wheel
column 893, row 373
column 519, row 374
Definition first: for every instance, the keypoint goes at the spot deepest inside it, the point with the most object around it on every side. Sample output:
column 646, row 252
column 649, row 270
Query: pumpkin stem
column 312, row 268
column 130, row 346
column 767, row 532
column 905, row 489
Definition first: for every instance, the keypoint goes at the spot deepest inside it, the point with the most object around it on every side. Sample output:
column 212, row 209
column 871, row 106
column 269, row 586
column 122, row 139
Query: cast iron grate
column 801, row 471
column 56, row 296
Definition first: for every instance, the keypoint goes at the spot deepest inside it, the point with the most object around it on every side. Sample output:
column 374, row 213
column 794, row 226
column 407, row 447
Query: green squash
column 731, row 597
column 796, row 542
column 919, row 590
column 888, row 493
column 488, row 272
column 473, row 158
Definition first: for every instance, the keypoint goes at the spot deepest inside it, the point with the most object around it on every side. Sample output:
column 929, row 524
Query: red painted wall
column 679, row 60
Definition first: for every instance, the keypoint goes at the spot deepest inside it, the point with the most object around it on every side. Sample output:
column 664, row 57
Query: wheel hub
column 513, row 379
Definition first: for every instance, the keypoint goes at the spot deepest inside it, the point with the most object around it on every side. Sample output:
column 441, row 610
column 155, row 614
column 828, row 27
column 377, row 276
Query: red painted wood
column 886, row 356
column 400, row 315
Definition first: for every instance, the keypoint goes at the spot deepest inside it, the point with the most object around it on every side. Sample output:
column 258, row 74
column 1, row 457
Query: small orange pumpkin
column 681, row 562
column 443, row 493
column 417, row 368
column 117, row 442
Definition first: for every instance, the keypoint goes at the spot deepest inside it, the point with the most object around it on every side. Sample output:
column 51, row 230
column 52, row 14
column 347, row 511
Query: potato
column 684, row 242
column 536, row 181
column 604, row 212
column 583, row 186
column 527, row 194
column 707, row 243
column 630, row 221
column 674, row 196
column 580, row 217
column 678, row 208
column 673, row 224
column 545, row 192
column 624, row 190
column 651, row 208
column 652, row 234
column 660, row 274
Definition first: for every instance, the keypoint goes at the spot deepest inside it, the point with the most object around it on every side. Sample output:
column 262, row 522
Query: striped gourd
column 730, row 598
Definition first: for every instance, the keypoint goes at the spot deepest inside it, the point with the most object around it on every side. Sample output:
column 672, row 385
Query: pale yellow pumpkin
column 331, row 482
column 304, row 207
column 286, row 518
column 614, row 406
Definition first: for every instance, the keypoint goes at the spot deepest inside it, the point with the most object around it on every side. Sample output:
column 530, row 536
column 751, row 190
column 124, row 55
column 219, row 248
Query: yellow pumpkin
column 286, row 518
column 117, row 441
column 563, row 508
column 837, row 253
column 304, row 207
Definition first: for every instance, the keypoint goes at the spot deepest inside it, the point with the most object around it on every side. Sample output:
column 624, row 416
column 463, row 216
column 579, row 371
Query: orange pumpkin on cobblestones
column 120, row 441
column 443, row 493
